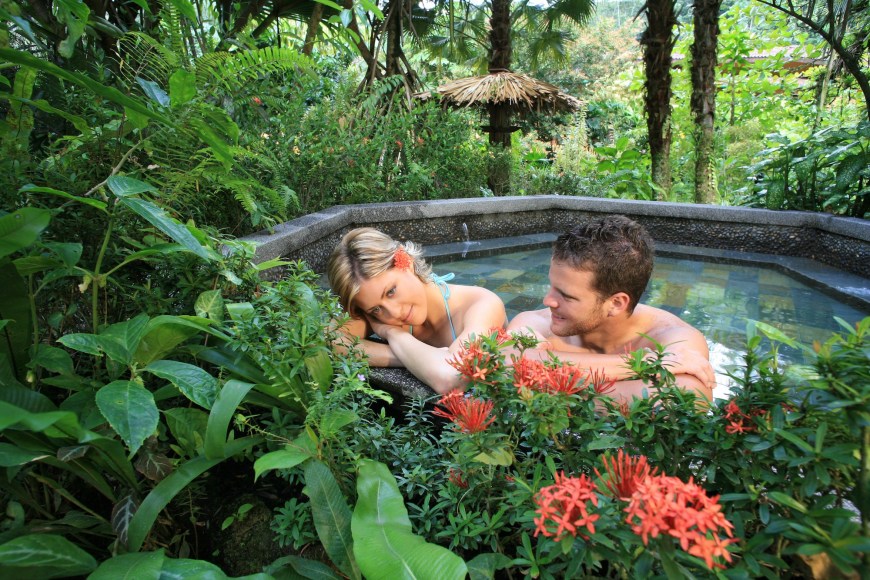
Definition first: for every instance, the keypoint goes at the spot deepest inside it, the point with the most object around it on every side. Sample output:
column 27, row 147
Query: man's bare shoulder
column 656, row 318
column 537, row 320
column 666, row 328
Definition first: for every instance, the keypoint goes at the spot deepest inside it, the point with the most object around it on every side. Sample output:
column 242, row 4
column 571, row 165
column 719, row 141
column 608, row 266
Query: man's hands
column 693, row 363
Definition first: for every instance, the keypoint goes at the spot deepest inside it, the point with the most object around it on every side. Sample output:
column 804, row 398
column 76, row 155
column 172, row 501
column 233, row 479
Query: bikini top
column 441, row 283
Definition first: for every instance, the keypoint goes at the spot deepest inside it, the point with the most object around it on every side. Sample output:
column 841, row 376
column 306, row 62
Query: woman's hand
column 382, row 329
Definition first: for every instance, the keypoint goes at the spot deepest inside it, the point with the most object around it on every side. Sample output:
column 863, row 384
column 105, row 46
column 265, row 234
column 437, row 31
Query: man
column 598, row 272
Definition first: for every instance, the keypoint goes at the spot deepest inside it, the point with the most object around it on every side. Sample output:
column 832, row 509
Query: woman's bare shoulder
column 473, row 295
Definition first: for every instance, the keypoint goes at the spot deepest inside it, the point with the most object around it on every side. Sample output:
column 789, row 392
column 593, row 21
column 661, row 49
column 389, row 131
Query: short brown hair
column 617, row 250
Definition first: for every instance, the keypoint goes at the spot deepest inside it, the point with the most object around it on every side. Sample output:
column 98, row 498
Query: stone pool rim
column 837, row 243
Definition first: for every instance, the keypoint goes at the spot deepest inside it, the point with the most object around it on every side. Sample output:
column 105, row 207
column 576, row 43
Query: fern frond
column 142, row 56
column 380, row 92
column 170, row 20
column 231, row 71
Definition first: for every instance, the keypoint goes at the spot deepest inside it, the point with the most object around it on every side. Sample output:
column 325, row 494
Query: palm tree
column 657, row 42
column 500, row 61
column 703, row 102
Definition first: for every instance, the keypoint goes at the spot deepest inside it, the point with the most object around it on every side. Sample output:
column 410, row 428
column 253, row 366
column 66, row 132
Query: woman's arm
column 477, row 308
column 378, row 353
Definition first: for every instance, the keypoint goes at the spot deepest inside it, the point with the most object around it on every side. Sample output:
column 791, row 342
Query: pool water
column 718, row 299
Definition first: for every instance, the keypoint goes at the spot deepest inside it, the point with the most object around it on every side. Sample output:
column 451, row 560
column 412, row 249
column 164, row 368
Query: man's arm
column 687, row 354
column 631, row 389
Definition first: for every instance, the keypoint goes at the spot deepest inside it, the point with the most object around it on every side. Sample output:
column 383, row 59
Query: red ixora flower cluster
column 563, row 508
column 457, row 479
column 738, row 421
column 624, row 474
column 667, row 505
column 473, row 362
column 567, row 379
column 401, row 259
column 501, row 335
column 470, row 415
column 657, row 505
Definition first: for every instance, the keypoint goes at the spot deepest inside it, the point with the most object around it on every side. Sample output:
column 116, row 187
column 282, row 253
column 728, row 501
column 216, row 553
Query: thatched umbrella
column 503, row 92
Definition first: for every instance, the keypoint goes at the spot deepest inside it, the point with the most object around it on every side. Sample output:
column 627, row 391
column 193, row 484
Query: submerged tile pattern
column 718, row 299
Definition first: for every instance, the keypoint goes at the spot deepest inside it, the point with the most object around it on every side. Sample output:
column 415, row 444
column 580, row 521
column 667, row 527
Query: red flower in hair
column 401, row 259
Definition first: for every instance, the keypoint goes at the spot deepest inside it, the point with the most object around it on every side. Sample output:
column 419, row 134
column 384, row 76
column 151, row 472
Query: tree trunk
column 500, row 113
column 393, row 32
column 500, row 36
column 313, row 27
column 703, row 102
column 500, row 60
column 658, row 44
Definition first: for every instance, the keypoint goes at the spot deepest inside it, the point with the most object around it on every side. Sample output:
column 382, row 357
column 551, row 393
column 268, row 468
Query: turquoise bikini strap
column 441, row 283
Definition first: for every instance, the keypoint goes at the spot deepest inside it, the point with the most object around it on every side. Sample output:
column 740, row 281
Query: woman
column 387, row 288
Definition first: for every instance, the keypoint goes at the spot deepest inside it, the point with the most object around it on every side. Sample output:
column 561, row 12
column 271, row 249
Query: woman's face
column 396, row 297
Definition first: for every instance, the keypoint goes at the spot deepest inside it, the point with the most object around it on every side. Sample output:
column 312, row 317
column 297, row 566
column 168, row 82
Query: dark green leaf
column 167, row 224
column 21, row 228
column 16, row 334
column 30, row 188
column 384, row 544
column 137, row 566
column 303, row 567
column 222, row 412
column 292, row 455
column 130, row 409
column 182, row 87
column 193, row 382
column 332, row 516
column 123, row 186
column 45, row 556
column 12, row 455
column 484, row 566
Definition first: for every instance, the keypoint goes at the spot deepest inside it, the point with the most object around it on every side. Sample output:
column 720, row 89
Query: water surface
column 718, row 299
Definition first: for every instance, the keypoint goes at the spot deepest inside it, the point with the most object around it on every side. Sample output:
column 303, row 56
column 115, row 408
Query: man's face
column 575, row 308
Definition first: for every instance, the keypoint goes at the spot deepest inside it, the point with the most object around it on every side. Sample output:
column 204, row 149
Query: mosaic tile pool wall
column 716, row 298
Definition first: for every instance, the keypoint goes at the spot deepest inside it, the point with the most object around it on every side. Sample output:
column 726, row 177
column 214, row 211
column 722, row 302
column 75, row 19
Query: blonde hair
column 361, row 255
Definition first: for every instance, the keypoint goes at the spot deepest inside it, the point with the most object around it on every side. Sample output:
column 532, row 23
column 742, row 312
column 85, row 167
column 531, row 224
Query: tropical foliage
column 153, row 371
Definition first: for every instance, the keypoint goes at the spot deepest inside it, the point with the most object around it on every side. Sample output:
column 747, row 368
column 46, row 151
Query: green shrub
column 771, row 471
column 828, row 171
